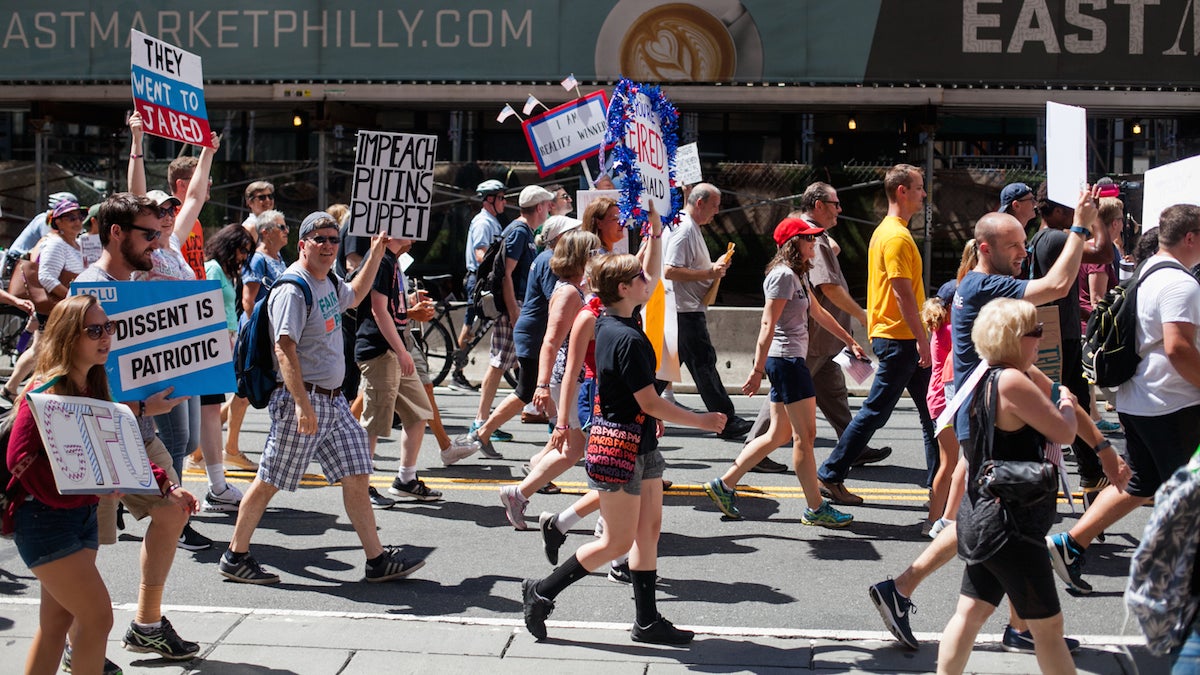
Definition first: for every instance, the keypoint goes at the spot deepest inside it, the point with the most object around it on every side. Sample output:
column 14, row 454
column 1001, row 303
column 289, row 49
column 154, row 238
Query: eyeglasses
column 70, row 215
column 833, row 202
column 325, row 240
column 563, row 196
column 97, row 330
column 164, row 211
column 641, row 274
column 263, row 197
column 149, row 234
column 1037, row 331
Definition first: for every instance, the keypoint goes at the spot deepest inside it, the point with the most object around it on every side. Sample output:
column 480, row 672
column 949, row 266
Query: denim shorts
column 790, row 379
column 650, row 466
column 45, row 534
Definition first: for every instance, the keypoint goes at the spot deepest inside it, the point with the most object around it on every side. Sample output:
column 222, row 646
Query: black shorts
column 527, row 383
column 1155, row 447
column 1021, row 570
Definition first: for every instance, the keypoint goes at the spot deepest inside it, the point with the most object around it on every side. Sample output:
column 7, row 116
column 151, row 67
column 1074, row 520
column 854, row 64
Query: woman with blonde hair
column 56, row 535
column 1014, row 412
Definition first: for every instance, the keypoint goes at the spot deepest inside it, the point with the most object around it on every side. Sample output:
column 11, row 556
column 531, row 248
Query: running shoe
column 661, row 632
column 552, row 538
column 391, row 566
column 498, row 436
column 537, row 609
column 514, row 506
column 723, row 497
column 191, row 540
column 110, row 668
column 1066, row 557
column 485, row 447
column 414, row 489
column 459, row 448
column 1108, row 427
column 246, row 571
column 378, row 501
column 162, row 640
column 826, row 516
column 227, row 500
column 894, row 609
column 1022, row 641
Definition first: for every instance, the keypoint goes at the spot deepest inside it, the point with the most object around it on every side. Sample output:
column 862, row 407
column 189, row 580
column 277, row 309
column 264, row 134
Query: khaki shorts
column 386, row 391
column 139, row 506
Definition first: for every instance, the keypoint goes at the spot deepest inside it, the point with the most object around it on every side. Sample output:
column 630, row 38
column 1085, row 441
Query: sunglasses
column 1037, row 331
column 263, row 197
column 325, row 240
column 806, row 237
column 164, row 211
column 97, row 330
column 641, row 274
column 833, row 202
column 149, row 234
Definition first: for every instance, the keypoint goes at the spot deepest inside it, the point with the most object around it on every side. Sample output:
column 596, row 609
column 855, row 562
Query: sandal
column 549, row 489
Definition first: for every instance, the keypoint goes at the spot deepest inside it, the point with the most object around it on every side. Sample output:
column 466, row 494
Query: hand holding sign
column 168, row 90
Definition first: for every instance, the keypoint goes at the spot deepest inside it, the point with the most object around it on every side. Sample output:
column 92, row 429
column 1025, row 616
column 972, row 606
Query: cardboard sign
column 1066, row 152
column 169, row 334
column 168, row 90
column 1168, row 185
column 393, row 185
column 568, row 134
column 94, row 446
column 1050, row 353
column 643, row 135
column 687, row 164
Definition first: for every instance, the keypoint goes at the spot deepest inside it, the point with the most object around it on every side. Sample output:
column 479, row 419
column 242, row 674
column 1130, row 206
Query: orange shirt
column 193, row 249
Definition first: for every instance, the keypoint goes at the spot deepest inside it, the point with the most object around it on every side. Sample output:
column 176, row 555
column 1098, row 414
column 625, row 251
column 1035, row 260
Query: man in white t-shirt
column 1160, row 405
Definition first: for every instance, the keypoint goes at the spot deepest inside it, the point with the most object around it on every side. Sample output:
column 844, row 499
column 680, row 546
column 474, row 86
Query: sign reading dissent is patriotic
column 168, row 90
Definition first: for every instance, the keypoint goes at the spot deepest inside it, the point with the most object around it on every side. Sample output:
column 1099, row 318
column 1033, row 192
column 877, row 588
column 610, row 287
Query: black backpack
column 489, row 276
column 253, row 355
column 1110, row 355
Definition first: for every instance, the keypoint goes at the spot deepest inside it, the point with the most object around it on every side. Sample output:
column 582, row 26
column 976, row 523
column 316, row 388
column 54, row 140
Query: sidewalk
column 236, row 640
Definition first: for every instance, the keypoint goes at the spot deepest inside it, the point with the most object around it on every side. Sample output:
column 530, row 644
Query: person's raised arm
column 137, row 165
column 361, row 284
column 1065, row 271
column 197, row 192
column 650, row 255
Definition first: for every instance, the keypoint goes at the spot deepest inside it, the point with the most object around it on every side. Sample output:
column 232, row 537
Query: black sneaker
column 110, row 668
column 768, row 465
column 735, row 429
column 248, row 571
column 459, row 382
column 1021, row 641
column 871, row 455
column 661, row 632
column 163, row 641
column 414, row 489
column 894, row 609
column 392, row 566
column 537, row 609
column 552, row 539
column 619, row 573
column 191, row 540
column 378, row 501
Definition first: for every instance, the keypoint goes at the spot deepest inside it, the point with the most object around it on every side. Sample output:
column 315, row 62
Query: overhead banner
column 568, row 134
column 169, row 334
column 94, row 446
column 393, row 185
column 168, row 90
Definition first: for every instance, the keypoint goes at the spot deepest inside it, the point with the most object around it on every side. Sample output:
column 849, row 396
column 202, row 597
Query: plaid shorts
column 339, row 446
column 503, row 352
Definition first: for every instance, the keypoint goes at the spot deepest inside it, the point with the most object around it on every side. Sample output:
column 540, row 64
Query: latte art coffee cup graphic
column 678, row 42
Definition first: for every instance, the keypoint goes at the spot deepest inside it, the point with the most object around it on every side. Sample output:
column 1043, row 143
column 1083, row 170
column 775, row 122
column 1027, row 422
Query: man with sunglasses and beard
column 129, row 233
column 310, row 419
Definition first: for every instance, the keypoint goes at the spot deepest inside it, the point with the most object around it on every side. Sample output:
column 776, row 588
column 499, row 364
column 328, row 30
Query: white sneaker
column 459, row 448
column 514, row 506
column 228, row 500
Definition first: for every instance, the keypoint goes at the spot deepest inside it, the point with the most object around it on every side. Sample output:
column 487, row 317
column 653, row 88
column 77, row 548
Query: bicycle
column 12, row 319
column 439, row 343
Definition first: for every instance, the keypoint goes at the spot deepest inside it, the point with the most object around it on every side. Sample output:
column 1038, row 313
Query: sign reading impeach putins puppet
column 393, row 185
column 168, row 90
column 567, row 134
column 169, row 334
column 94, row 446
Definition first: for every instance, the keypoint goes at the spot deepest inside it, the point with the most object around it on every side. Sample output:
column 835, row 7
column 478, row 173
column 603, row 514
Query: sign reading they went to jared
column 169, row 334
column 168, row 90
column 393, row 185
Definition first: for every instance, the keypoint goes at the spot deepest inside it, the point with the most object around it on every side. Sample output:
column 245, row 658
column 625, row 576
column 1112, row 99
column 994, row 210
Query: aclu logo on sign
column 103, row 294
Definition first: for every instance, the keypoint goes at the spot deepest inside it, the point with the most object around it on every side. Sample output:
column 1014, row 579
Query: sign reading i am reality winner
column 568, row 134
column 393, row 185
column 169, row 334
column 168, row 90
column 94, row 446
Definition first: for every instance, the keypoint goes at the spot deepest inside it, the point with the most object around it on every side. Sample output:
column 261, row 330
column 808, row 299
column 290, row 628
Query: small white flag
column 570, row 82
column 506, row 113
column 530, row 104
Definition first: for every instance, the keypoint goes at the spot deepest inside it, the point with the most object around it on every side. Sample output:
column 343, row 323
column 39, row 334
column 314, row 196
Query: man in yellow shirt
column 895, row 292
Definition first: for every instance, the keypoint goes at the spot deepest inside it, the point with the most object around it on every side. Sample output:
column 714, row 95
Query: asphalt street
column 765, row 572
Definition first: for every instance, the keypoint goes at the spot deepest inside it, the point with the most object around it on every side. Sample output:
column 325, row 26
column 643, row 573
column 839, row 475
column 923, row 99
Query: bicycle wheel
column 435, row 343
column 12, row 322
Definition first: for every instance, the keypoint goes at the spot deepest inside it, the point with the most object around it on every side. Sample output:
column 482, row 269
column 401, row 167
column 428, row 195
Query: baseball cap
column 1011, row 193
column 92, row 213
column 793, row 227
column 533, row 195
column 66, row 206
column 946, row 292
column 557, row 226
column 161, row 198
column 312, row 220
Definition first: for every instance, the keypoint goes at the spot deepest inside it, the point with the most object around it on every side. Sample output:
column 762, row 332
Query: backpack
column 489, row 276
column 1110, row 355
column 1160, row 591
column 253, row 355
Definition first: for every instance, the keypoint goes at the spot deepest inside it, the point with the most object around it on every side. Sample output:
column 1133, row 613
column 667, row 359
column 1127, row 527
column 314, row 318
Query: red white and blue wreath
column 624, row 159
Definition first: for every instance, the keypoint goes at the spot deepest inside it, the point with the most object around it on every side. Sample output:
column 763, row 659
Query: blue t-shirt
column 530, row 329
column 974, row 291
column 519, row 246
column 263, row 270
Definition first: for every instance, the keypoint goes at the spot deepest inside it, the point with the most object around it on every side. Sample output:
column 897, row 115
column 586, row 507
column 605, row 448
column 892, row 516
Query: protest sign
column 1066, row 152
column 168, row 90
column 643, row 124
column 687, row 164
column 393, row 185
column 1167, row 185
column 568, row 134
column 1050, row 350
column 94, row 446
column 169, row 334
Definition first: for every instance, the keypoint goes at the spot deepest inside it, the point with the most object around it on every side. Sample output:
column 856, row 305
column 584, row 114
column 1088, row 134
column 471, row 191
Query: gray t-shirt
column 318, row 334
column 826, row 270
column 791, row 330
column 686, row 249
column 94, row 273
